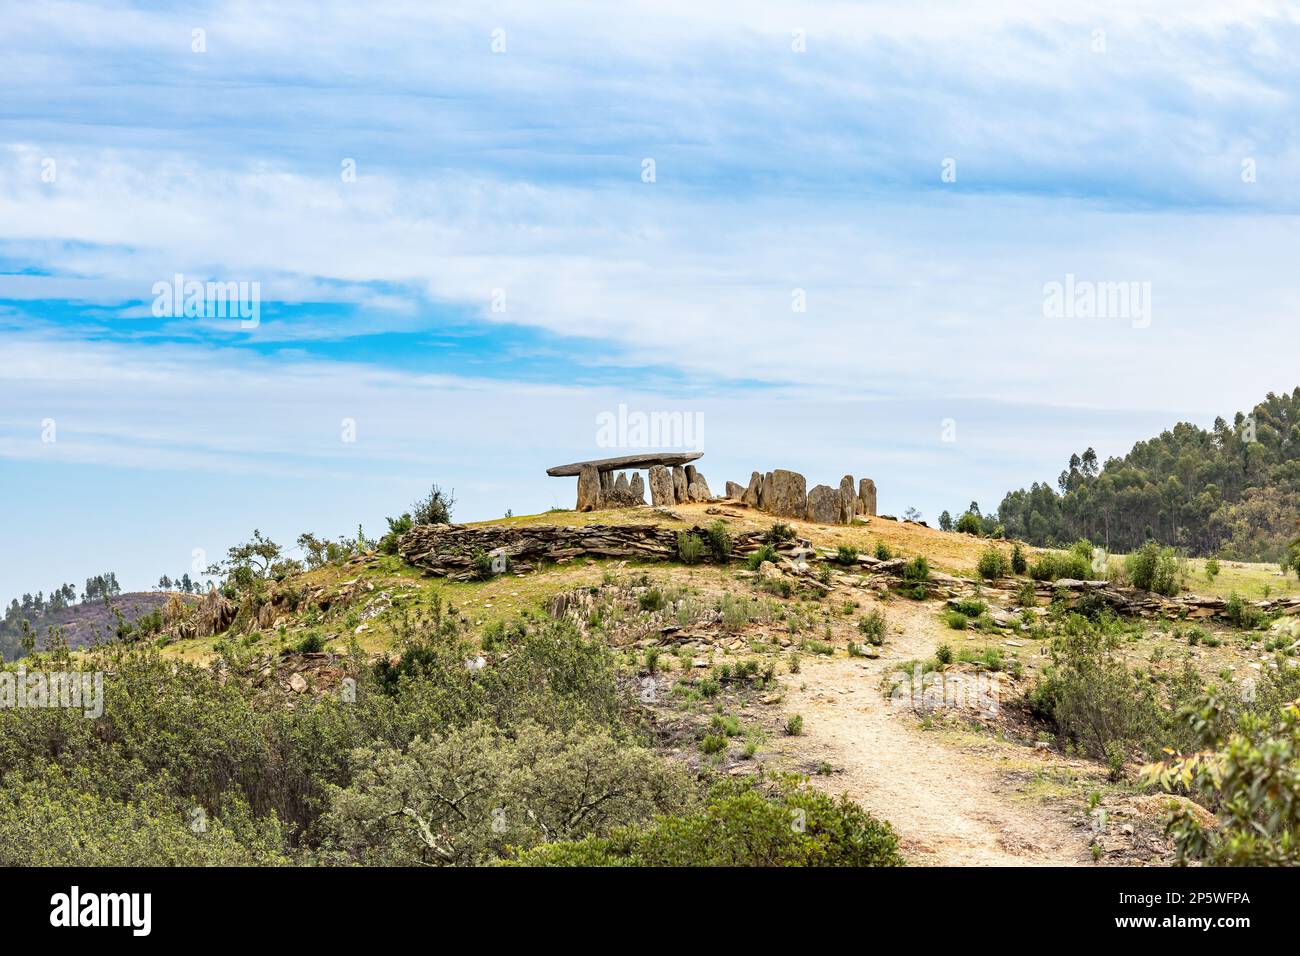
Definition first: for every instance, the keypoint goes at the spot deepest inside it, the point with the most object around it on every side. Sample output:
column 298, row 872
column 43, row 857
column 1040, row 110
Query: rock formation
column 679, row 483
column 867, row 497
column 637, row 488
column 662, row 492
column 735, row 491
column 750, row 497
column 823, row 505
column 848, row 500
column 786, row 494
column 589, row 498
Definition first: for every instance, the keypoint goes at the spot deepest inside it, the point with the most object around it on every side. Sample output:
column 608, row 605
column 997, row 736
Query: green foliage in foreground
column 743, row 823
column 1250, row 776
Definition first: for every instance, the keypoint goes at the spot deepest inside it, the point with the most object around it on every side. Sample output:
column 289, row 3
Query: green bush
column 872, row 627
column 970, row 523
column 689, row 547
column 719, row 542
column 943, row 655
column 917, row 570
column 846, row 554
column 1153, row 568
column 992, row 563
column 883, row 551
column 778, row 533
column 765, row 553
column 794, row 725
column 1019, row 565
column 743, row 823
column 956, row 620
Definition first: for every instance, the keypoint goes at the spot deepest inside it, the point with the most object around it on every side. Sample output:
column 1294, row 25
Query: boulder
column 750, row 497
column 622, row 490
column 637, row 488
column 662, row 492
column 848, row 500
column 698, row 489
column 589, row 498
column 787, row 494
column 735, row 490
column 867, row 497
column 823, row 505
column 680, row 484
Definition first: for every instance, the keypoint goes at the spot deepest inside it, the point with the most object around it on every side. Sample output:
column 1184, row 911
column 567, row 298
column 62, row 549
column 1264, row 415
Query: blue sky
column 499, row 272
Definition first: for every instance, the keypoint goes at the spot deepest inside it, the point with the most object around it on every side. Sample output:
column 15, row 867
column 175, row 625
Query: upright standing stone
column 637, row 488
column 662, row 493
column 698, row 489
column 824, row 505
column 735, row 490
column 680, row 484
column 848, row 500
column 606, row 485
column 589, row 488
column 788, row 496
column 750, row 497
column 622, row 490
column 765, row 493
column 867, row 497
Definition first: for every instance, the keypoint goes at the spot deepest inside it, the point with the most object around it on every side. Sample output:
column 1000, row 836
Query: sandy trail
column 950, row 806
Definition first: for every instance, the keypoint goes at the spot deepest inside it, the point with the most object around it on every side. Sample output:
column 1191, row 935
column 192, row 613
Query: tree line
column 1231, row 490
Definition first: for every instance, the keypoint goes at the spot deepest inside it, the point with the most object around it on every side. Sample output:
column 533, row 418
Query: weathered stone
column 626, row 461
column 662, row 493
column 735, row 490
column 589, row 489
column 680, row 484
column 867, row 497
column 848, row 500
column 750, row 497
column 787, row 495
column 823, row 505
column 606, row 485
column 637, row 487
column 765, row 491
column 698, row 489
column 298, row 684
column 622, row 490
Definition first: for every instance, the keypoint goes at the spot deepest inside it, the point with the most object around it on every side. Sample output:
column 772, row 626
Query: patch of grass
column 794, row 725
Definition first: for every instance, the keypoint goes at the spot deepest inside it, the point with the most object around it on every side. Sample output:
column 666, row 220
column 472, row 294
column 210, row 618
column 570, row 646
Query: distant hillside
column 1233, row 490
column 82, row 624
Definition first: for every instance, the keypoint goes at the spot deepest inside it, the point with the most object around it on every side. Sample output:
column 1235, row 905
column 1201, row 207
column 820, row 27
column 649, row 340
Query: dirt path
column 950, row 805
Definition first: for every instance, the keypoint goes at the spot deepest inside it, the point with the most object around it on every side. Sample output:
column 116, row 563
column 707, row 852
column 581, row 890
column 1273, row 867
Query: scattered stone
column 298, row 684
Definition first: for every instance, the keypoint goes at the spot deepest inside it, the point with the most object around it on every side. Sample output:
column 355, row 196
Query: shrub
column 846, row 554
column 652, row 600
column 689, row 547
column 434, row 508
column 719, row 542
column 917, row 570
column 956, row 620
column 1247, row 772
column 794, row 725
column 1153, row 568
column 312, row 643
column 1018, row 563
column 872, row 627
column 1211, row 568
column 883, row 551
column 970, row 523
column 713, row 744
column 992, row 563
column 944, row 654
column 970, row 607
column 396, row 528
column 743, row 823
column 1092, row 696
column 1241, row 613
column 779, row 532
column 765, row 553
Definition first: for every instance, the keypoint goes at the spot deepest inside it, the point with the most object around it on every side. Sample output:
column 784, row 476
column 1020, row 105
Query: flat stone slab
column 667, row 459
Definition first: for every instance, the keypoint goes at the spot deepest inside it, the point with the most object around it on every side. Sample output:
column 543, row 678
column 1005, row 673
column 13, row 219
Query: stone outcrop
column 823, row 505
column 867, row 497
column 750, row 497
column 735, row 490
column 848, row 500
column 454, row 551
column 637, row 489
column 697, row 489
column 662, row 493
